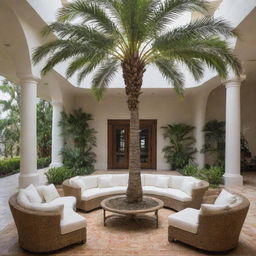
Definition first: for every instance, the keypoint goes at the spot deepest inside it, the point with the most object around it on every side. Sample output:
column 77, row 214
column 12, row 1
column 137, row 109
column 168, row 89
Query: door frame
column 153, row 144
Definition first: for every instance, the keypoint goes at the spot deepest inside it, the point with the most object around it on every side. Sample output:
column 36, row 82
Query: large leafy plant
column 180, row 149
column 80, row 140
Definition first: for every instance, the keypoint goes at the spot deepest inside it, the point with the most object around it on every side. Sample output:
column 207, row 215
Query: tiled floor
column 121, row 237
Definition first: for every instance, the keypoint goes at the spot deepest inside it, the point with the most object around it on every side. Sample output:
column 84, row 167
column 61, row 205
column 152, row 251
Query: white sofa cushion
column 120, row 179
column 238, row 201
column 90, row 181
column 79, row 183
column 71, row 221
column 50, row 193
column 186, row 219
column 67, row 201
column 98, row 192
column 187, row 186
column 150, row 179
column 176, row 181
column 225, row 198
column 23, row 200
column 105, row 181
column 32, row 194
column 168, row 192
column 209, row 209
column 162, row 181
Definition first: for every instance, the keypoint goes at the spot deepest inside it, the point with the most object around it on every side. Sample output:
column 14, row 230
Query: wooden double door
column 118, row 144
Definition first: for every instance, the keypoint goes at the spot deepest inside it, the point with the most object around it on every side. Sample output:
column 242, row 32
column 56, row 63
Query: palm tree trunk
column 134, row 190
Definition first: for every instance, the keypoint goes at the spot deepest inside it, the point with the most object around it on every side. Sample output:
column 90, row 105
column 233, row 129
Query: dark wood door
column 118, row 144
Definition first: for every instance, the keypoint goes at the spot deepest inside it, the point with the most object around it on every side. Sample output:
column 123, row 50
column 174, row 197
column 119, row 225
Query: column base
column 233, row 179
column 55, row 165
column 27, row 179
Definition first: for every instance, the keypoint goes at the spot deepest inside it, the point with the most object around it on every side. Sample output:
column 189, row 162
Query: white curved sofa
column 44, row 220
column 177, row 192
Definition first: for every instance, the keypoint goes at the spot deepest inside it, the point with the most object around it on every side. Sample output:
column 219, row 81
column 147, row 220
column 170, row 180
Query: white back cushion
column 32, row 194
column 23, row 200
column 187, row 186
column 90, row 181
column 120, row 179
column 225, row 198
column 150, row 179
column 176, row 181
column 162, row 181
column 105, row 181
column 238, row 200
column 142, row 179
column 207, row 209
column 50, row 208
column 50, row 193
column 79, row 183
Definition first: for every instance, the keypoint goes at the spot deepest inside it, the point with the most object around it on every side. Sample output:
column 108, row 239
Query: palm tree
column 99, row 36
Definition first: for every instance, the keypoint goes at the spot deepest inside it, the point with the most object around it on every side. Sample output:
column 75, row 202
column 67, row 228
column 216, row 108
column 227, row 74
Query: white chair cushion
column 187, row 186
column 120, row 179
column 209, row 209
column 40, row 191
column 98, row 192
column 176, row 181
column 71, row 221
column 67, row 201
column 198, row 183
column 90, row 181
column 162, row 181
column 79, row 183
column 186, row 219
column 105, row 181
column 32, row 194
column 23, row 200
column 168, row 192
column 50, row 193
column 58, row 208
column 150, row 179
column 225, row 198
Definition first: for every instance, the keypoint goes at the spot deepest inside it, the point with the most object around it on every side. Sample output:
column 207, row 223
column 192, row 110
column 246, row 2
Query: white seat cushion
column 90, row 181
column 168, row 192
column 32, row 194
column 186, row 219
column 58, row 208
column 71, row 221
column 67, row 201
column 120, row 179
column 97, row 192
column 105, row 181
column 225, row 198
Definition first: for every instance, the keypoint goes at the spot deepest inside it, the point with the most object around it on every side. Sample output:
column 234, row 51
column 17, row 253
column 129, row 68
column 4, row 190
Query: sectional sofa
column 177, row 192
column 45, row 221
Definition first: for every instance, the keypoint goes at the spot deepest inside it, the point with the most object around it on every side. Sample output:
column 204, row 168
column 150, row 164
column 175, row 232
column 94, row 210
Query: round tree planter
column 119, row 205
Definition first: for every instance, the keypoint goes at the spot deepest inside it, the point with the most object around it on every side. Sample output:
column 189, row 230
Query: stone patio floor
column 122, row 237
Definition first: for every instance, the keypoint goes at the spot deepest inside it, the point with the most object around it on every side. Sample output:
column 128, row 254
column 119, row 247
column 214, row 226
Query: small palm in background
column 180, row 149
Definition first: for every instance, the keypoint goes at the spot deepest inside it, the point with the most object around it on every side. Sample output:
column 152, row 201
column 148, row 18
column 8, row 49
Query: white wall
column 165, row 108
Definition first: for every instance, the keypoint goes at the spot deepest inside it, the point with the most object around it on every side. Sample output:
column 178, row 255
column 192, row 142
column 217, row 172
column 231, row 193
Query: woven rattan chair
column 216, row 232
column 40, row 231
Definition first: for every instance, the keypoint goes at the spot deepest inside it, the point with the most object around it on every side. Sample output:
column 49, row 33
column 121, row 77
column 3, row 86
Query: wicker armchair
column 40, row 231
column 216, row 232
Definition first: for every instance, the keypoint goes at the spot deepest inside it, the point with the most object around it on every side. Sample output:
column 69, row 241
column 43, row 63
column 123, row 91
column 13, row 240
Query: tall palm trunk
column 133, row 70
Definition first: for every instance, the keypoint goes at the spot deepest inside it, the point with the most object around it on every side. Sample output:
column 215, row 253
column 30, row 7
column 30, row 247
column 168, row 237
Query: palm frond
column 103, row 77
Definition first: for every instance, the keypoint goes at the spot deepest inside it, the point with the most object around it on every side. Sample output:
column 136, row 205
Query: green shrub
column 59, row 174
column 190, row 170
column 213, row 175
column 43, row 162
column 9, row 166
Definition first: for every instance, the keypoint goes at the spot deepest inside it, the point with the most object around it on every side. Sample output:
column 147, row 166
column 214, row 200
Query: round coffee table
column 119, row 205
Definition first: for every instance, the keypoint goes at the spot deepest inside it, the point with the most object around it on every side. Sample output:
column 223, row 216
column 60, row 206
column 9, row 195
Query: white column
column 199, row 122
column 232, row 151
column 57, row 138
column 28, row 142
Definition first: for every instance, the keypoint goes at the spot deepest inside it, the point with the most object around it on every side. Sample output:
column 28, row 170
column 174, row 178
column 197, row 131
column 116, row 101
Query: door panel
column 118, row 144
